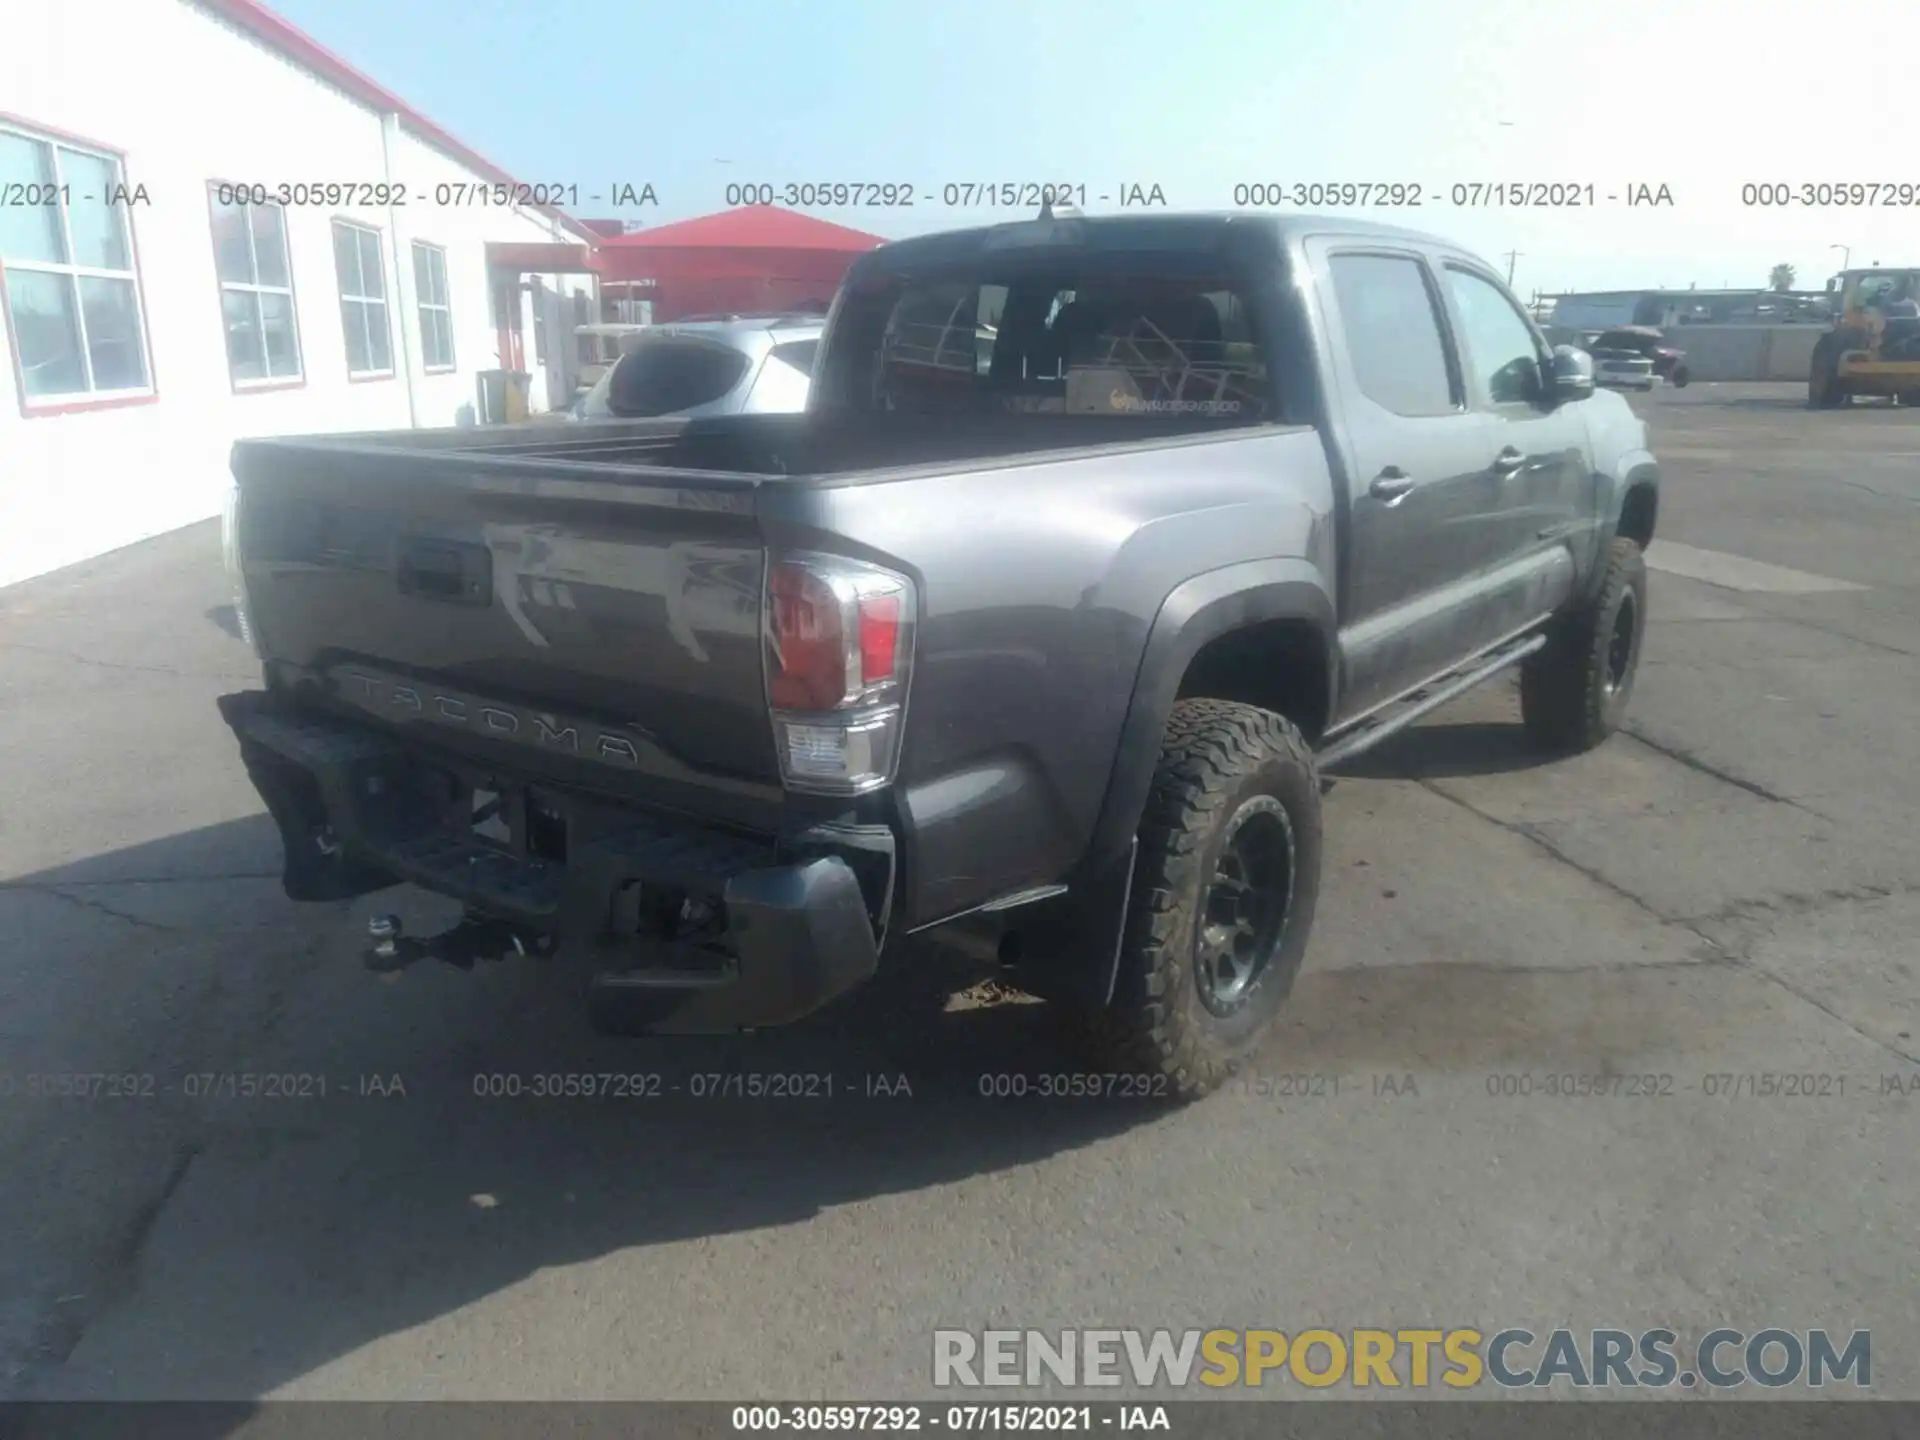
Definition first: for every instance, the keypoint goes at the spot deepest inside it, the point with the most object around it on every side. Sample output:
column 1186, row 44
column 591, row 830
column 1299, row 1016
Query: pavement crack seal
column 98, row 907
column 1730, row 957
column 1912, row 1057
column 1491, row 968
column 50, row 885
column 170, row 671
column 1747, row 597
column 1726, row 777
column 1798, row 903
column 1794, row 904
column 1883, row 494
column 1541, row 842
column 62, row 1331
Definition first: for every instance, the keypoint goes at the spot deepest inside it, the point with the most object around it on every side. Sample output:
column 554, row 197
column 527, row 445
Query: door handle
column 1391, row 485
column 1508, row 461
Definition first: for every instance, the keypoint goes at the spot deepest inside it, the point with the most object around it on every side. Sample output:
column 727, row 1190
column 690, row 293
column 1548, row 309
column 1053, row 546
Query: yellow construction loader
column 1874, row 346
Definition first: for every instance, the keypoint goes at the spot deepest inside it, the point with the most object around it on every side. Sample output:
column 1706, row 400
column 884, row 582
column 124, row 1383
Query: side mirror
column 1569, row 374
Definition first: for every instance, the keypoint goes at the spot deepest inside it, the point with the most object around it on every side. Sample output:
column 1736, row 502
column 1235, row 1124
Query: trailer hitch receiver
column 474, row 937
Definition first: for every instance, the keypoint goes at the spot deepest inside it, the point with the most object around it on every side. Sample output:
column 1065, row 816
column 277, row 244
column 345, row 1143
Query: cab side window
column 1498, row 343
column 1393, row 333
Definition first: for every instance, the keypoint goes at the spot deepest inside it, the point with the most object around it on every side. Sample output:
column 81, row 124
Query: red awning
column 755, row 241
column 754, row 227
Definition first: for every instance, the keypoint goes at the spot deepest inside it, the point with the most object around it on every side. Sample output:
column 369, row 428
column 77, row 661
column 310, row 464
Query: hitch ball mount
column 474, row 937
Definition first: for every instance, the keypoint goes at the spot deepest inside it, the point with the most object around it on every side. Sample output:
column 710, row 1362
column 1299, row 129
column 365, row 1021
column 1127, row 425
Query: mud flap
column 1070, row 945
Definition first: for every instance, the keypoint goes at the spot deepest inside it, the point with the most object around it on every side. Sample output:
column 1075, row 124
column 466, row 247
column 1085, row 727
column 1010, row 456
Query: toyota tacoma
column 1100, row 541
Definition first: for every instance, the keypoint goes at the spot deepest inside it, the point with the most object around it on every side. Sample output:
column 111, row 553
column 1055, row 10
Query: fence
column 1737, row 352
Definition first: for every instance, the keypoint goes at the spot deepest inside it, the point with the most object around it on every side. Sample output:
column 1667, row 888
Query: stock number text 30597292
column 1351, row 194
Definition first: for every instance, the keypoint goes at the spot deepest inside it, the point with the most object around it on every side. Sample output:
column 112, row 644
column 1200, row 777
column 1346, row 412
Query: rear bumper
column 358, row 811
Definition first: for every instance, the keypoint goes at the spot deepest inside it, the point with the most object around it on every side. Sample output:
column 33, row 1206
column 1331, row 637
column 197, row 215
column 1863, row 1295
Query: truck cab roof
column 1160, row 230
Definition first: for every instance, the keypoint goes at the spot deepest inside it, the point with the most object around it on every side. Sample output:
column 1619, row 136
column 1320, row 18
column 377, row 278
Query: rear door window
column 1120, row 338
column 669, row 374
column 1393, row 335
column 937, row 327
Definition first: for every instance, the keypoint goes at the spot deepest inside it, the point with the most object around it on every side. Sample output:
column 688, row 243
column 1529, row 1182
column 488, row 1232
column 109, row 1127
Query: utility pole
column 1512, row 255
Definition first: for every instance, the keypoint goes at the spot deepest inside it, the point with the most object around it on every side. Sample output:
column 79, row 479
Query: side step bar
column 1396, row 715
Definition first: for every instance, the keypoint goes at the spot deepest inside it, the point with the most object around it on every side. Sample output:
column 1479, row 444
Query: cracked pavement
column 1731, row 889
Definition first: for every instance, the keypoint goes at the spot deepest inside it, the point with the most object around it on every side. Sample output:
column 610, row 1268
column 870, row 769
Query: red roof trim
column 751, row 227
column 301, row 48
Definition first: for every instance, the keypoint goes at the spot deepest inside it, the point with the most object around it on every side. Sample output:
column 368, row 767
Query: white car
column 1620, row 369
column 739, row 365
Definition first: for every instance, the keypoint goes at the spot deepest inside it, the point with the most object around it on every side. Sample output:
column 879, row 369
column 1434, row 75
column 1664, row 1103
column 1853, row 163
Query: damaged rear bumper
column 791, row 927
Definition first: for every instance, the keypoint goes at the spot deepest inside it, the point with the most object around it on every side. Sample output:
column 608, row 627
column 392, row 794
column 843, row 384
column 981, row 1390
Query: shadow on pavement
column 227, row 619
column 300, row 1229
column 1439, row 751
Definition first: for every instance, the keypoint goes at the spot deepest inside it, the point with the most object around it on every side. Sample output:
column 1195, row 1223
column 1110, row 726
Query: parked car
column 1049, row 656
column 730, row 365
column 1635, row 356
column 600, row 346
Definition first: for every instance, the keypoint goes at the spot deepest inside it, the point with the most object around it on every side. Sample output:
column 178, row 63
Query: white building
column 164, row 295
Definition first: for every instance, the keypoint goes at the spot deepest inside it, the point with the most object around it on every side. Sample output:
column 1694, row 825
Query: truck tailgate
column 571, row 625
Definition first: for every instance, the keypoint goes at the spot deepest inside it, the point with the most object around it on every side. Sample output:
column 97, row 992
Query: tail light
column 839, row 648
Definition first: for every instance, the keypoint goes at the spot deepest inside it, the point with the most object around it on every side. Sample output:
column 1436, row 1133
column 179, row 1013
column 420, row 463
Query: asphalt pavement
column 1729, row 890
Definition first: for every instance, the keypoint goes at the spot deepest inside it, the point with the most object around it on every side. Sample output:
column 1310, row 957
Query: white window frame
column 360, row 304
column 298, row 375
column 55, row 143
column 444, row 306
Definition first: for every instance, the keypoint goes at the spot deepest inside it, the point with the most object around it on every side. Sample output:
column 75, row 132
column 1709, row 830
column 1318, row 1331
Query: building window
column 72, row 294
column 256, row 292
column 436, row 315
column 363, row 300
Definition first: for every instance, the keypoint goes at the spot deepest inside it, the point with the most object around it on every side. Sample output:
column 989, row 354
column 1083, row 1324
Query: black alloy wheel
column 1244, row 915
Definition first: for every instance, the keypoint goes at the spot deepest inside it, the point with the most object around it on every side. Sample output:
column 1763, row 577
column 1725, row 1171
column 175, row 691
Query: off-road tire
column 1574, row 693
column 1218, row 760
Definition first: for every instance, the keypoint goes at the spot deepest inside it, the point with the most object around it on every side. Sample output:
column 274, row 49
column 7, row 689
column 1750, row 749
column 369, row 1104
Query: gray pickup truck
column 1100, row 541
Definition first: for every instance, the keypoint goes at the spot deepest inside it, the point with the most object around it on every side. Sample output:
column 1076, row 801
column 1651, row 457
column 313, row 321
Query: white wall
column 189, row 100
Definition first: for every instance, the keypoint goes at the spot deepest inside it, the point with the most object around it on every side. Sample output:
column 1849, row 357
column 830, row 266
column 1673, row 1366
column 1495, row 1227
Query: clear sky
column 1198, row 96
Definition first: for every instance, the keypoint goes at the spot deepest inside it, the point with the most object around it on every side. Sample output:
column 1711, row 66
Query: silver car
column 729, row 365
column 1617, row 366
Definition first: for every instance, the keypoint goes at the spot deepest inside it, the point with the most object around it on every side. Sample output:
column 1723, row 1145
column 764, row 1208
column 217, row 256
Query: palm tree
column 1780, row 279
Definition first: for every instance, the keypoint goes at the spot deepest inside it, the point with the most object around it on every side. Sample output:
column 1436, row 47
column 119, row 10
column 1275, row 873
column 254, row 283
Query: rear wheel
column 1574, row 693
column 1223, row 899
column 1681, row 375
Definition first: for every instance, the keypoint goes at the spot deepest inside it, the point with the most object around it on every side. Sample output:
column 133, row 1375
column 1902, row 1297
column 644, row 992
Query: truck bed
column 580, row 604
column 736, row 449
